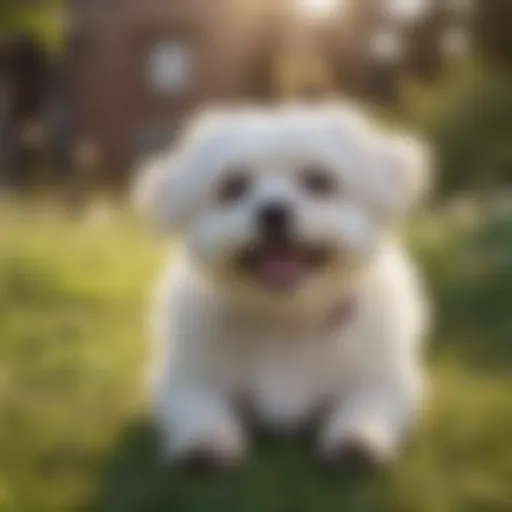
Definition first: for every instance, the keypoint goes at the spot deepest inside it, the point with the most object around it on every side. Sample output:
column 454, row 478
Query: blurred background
column 89, row 88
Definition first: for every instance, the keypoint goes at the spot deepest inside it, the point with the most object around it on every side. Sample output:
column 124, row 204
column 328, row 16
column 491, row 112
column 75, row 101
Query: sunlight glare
column 318, row 8
column 407, row 10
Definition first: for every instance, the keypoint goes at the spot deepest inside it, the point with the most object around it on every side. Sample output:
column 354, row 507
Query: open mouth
column 283, row 266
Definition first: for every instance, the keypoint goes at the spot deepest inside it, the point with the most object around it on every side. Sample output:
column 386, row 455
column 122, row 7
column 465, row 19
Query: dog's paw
column 360, row 450
column 206, row 452
column 355, row 455
column 207, row 457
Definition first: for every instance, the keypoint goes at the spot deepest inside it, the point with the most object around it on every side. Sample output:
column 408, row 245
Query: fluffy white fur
column 222, row 337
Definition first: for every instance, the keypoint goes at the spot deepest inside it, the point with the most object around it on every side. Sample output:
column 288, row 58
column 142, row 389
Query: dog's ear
column 400, row 164
column 403, row 167
column 154, row 190
column 169, row 186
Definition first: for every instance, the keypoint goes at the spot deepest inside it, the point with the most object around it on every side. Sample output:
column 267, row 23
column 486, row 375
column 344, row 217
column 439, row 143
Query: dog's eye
column 234, row 187
column 318, row 181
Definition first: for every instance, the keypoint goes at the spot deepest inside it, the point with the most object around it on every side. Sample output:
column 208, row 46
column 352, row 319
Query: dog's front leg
column 199, row 425
column 366, row 427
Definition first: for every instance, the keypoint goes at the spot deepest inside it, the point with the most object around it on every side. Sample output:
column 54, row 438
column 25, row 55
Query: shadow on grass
column 281, row 476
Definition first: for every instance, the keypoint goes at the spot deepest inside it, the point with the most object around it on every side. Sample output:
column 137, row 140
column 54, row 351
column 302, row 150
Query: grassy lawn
column 73, row 428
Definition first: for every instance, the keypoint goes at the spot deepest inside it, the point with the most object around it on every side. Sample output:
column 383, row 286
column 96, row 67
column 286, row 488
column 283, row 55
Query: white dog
column 290, row 289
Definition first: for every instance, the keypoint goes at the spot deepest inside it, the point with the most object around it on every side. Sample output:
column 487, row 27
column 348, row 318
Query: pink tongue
column 282, row 268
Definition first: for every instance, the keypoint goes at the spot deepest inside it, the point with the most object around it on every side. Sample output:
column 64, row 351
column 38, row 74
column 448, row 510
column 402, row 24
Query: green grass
column 73, row 429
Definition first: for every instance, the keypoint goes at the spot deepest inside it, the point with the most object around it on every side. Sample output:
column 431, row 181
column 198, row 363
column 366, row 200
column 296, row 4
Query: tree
column 40, row 20
column 492, row 26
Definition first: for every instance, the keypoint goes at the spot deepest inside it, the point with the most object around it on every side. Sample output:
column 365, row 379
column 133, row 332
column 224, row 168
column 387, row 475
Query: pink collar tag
column 341, row 313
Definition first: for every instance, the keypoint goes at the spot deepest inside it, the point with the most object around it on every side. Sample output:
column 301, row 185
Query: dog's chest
column 288, row 379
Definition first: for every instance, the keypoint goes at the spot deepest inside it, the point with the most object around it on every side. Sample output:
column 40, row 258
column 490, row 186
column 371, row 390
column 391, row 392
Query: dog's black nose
column 274, row 220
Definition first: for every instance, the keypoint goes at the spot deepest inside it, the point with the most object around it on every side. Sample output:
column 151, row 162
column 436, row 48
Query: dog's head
column 283, row 203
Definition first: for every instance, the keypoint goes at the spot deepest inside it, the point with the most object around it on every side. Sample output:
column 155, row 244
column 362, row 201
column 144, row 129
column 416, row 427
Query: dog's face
column 284, row 203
